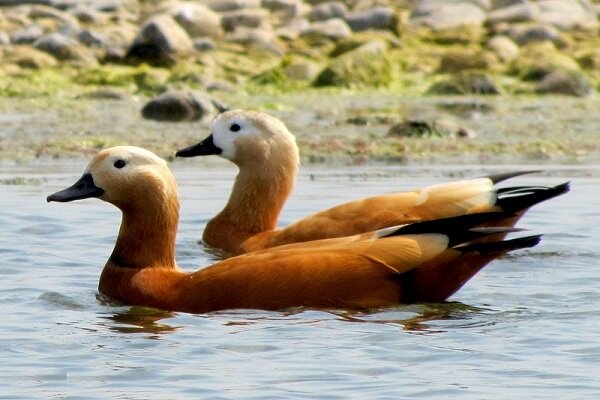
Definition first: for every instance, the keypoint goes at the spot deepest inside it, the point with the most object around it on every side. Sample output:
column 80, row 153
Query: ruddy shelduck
column 425, row 261
column 267, row 157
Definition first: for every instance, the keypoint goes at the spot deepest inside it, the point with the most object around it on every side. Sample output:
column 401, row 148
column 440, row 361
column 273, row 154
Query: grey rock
column 264, row 39
column 64, row 48
column 27, row 35
column 328, row 10
column 571, row 83
column 4, row 38
column 334, row 29
column 231, row 5
column 366, row 65
column 22, row 2
column 219, row 86
column 465, row 83
column 515, row 13
column 568, row 14
column 374, row 18
column 504, row 47
column 175, row 106
column 42, row 11
column 28, row 57
column 292, row 29
column 249, row 18
column 286, row 8
column 449, row 15
column 301, row 70
column 105, row 94
column 204, row 44
column 530, row 33
column 426, row 7
column 92, row 39
column 197, row 19
column 107, row 6
column 158, row 40
column 506, row 3
column 86, row 15
column 423, row 128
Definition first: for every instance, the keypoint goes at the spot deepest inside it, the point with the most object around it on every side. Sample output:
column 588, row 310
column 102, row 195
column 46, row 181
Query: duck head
column 246, row 137
column 126, row 176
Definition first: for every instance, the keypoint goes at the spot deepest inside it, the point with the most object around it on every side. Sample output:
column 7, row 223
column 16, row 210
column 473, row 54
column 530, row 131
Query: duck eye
column 234, row 127
column 119, row 164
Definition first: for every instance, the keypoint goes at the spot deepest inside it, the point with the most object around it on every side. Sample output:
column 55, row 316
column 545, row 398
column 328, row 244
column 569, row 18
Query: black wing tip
column 503, row 246
column 522, row 197
column 449, row 225
column 497, row 178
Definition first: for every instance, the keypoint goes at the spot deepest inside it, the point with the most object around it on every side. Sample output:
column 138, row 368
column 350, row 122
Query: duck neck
column 258, row 195
column 147, row 235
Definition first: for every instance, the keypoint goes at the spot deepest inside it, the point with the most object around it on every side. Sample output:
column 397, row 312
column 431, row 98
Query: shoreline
column 335, row 128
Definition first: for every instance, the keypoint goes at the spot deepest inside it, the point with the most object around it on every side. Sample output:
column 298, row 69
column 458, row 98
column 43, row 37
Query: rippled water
column 526, row 327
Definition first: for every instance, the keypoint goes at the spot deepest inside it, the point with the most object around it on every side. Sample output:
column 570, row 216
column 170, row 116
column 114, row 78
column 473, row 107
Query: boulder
column 263, row 39
column 4, row 38
column 204, row 44
column 334, row 29
column 197, row 19
column 42, row 11
column 533, row 32
column 159, row 39
column 505, row 49
column 301, row 70
column 249, row 18
column 328, row 10
column 537, row 60
column 571, row 83
column 286, row 8
column 568, row 14
column 27, row 35
column 175, row 106
column 165, row 33
column 383, row 18
column 519, row 12
column 28, row 57
column 231, row 5
column 64, row 48
column 92, row 39
column 441, row 15
column 367, row 65
column 462, row 59
column 422, row 128
column 464, row 84
column 292, row 29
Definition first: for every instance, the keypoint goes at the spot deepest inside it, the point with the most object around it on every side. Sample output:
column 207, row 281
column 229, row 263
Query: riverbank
column 339, row 127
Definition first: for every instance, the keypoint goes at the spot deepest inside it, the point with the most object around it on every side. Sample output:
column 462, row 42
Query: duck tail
column 500, row 247
column 519, row 198
column 496, row 178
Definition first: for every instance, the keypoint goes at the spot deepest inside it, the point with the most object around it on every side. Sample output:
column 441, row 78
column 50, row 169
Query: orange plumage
column 267, row 157
column 428, row 261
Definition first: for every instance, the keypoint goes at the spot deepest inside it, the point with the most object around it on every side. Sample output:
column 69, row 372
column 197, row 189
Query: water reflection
column 141, row 320
column 421, row 318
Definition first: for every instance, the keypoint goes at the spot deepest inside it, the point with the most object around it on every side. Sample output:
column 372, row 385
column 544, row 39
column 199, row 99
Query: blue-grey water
column 528, row 326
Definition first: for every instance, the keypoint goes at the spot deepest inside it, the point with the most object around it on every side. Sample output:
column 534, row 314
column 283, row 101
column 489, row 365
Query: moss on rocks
column 367, row 65
column 464, row 84
column 537, row 60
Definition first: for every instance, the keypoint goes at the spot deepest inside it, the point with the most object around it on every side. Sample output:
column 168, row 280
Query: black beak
column 204, row 148
column 84, row 188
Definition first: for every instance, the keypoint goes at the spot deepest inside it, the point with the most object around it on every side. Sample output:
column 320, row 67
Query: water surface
column 525, row 327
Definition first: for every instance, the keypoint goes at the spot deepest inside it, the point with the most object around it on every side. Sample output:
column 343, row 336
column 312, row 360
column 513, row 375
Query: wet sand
column 331, row 127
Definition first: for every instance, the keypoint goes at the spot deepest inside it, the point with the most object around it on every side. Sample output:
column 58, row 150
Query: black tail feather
column 449, row 226
column 519, row 198
column 496, row 178
column 501, row 246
